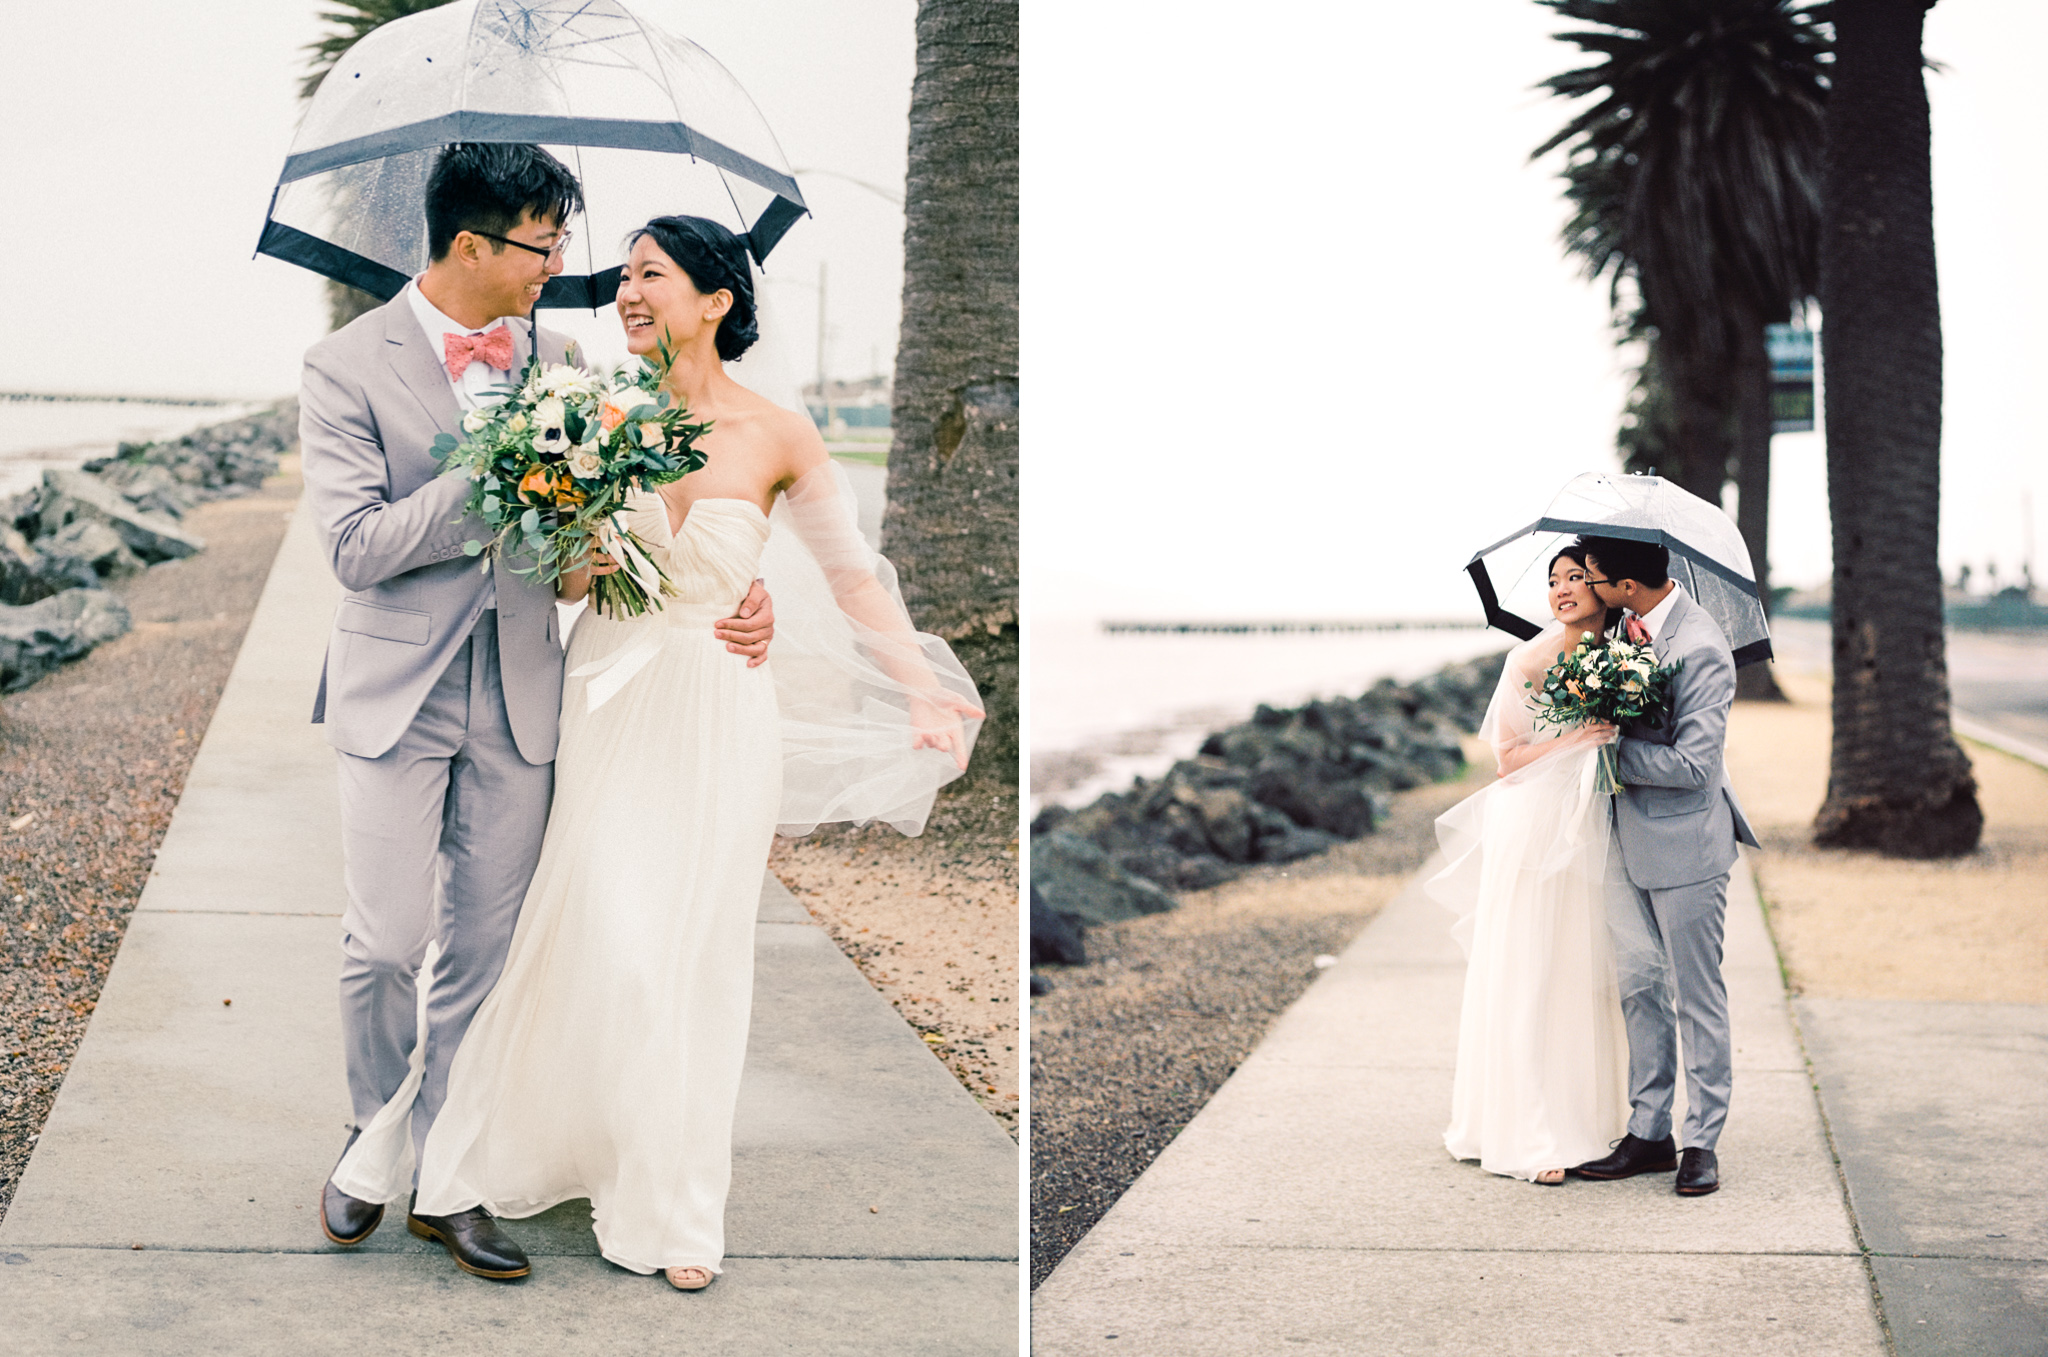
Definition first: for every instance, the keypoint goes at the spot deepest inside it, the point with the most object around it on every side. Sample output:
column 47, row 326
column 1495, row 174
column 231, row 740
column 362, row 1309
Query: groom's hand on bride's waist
column 750, row 630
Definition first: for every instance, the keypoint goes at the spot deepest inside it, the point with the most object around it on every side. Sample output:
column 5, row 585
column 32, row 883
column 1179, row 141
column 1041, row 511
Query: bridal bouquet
column 551, row 464
column 1605, row 678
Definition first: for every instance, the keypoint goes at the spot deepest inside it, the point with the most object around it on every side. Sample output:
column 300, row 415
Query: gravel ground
column 932, row 922
column 92, row 761
column 1126, row 1049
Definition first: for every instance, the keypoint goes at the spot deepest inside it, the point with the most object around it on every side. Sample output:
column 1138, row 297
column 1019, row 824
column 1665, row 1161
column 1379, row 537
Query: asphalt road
column 1997, row 680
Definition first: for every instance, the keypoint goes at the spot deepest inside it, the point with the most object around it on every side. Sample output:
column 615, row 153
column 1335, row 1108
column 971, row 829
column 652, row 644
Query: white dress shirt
column 1653, row 621
column 473, row 390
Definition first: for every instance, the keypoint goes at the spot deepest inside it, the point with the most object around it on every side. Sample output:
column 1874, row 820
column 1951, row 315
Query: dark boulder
column 41, row 636
column 230, row 458
column 1080, row 879
column 1288, row 783
column 1055, row 937
column 69, row 496
column 88, row 552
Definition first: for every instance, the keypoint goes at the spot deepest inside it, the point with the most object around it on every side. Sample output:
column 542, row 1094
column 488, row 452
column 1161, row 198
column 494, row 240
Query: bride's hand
column 937, row 723
column 1601, row 732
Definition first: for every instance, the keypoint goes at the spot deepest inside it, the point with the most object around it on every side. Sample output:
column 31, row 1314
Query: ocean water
column 1105, row 708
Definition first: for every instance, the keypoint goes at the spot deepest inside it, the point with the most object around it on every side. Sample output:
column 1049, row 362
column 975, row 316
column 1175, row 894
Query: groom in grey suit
column 1677, row 823
column 442, row 685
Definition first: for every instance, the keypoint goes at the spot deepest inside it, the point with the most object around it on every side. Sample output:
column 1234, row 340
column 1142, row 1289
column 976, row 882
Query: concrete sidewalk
column 171, row 1205
column 1311, row 1208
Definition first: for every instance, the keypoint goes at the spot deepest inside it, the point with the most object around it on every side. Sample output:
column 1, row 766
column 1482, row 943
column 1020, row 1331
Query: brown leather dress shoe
column 1698, row 1173
column 1632, row 1156
column 345, row 1219
column 475, row 1242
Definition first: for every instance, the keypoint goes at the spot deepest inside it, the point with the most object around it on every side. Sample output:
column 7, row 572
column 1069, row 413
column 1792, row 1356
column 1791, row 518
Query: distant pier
column 1290, row 627
column 118, row 400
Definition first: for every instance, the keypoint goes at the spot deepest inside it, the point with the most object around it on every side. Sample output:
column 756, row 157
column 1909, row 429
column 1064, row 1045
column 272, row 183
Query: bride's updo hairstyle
column 714, row 258
column 1576, row 554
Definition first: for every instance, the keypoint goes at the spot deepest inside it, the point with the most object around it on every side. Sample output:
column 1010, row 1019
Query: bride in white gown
column 1542, row 1069
column 606, row 1063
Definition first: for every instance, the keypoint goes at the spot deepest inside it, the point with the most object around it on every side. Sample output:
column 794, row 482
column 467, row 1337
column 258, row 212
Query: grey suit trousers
column 440, row 834
column 1693, row 1010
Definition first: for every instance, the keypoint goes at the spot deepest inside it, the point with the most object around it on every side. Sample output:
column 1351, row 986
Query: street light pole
column 824, row 392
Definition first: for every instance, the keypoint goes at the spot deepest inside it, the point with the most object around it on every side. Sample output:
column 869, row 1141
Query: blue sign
column 1791, row 349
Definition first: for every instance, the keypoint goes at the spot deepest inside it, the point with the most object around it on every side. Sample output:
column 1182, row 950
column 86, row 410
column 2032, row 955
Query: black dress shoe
column 1699, row 1173
column 1632, row 1156
column 343, row 1218
column 474, row 1241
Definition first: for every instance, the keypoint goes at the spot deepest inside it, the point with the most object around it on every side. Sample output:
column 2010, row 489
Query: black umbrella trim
column 1753, row 653
column 1521, row 628
column 328, row 260
column 543, row 129
column 564, row 291
column 1657, row 535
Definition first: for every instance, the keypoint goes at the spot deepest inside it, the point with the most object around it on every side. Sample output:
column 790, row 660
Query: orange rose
column 610, row 416
column 537, row 482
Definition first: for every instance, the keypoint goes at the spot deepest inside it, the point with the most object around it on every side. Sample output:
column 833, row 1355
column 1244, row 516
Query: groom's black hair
column 714, row 258
column 486, row 186
column 1623, row 558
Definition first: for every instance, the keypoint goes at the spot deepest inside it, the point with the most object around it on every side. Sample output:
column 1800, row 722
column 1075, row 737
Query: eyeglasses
column 553, row 253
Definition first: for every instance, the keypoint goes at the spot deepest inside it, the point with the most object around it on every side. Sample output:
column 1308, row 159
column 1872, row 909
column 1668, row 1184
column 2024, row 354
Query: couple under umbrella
column 552, row 877
column 1593, row 921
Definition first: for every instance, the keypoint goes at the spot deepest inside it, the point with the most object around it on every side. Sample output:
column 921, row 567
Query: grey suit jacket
column 372, row 398
column 1678, row 821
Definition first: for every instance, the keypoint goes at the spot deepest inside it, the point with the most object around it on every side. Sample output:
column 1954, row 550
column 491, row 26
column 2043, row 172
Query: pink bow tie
column 493, row 346
column 1637, row 632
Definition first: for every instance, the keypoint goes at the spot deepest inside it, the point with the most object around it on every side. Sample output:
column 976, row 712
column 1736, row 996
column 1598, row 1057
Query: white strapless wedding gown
column 1542, row 1073
column 606, row 1062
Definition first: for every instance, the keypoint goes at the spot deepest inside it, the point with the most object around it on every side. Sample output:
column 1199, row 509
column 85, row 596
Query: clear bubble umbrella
column 1708, row 557
column 648, row 122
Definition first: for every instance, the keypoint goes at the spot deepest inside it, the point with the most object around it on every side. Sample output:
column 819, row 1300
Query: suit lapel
column 418, row 366
column 1667, row 636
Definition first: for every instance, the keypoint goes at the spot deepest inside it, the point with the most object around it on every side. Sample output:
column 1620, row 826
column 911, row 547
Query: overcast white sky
column 1298, row 336
column 144, row 156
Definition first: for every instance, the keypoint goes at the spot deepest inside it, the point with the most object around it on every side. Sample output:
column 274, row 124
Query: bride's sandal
column 688, row 1278
column 1550, row 1178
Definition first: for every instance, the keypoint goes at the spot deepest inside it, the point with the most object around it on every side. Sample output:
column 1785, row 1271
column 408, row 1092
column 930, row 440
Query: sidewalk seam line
column 1827, row 1126
column 315, row 1252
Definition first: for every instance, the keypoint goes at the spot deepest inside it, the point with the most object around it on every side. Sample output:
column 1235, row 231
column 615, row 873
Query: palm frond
column 352, row 21
column 1696, row 170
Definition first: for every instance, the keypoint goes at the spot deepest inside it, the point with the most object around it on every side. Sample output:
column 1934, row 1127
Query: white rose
column 1592, row 680
column 651, row 434
column 584, row 463
column 517, row 424
column 474, row 421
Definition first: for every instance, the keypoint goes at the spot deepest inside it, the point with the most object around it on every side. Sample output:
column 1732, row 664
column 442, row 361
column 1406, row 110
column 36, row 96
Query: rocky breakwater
column 64, row 541
column 1283, row 785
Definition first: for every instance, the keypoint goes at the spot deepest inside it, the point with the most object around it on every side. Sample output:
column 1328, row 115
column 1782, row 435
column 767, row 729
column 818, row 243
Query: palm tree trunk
column 1897, row 782
column 951, row 524
column 1751, row 386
